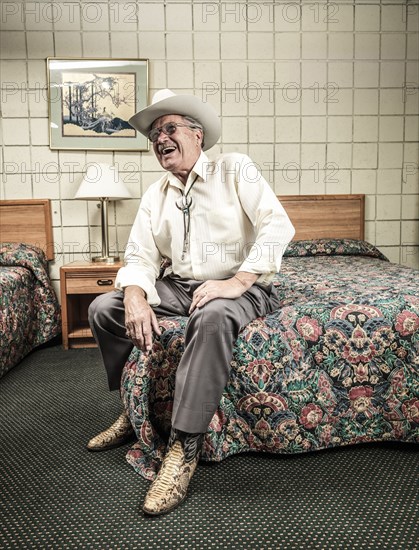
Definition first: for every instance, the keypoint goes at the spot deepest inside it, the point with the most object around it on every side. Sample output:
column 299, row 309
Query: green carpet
column 55, row 494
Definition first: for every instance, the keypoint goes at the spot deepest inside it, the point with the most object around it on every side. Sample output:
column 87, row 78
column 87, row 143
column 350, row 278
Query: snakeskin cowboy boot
column 116, row 435
column 169, row 488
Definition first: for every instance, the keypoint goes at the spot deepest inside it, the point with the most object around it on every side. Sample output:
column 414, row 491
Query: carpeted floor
column 55, row 494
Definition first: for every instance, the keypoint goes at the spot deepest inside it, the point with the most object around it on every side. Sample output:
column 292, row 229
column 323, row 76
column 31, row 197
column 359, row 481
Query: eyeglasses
column 169, row 128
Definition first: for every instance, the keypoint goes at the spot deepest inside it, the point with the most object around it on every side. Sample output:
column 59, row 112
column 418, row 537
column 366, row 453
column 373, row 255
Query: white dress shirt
column 236, row 224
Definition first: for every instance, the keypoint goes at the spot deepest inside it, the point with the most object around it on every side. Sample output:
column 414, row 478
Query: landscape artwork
column 91, row 101
column 97, row 104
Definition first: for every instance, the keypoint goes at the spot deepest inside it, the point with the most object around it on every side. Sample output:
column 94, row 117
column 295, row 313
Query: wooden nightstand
column 81, row 282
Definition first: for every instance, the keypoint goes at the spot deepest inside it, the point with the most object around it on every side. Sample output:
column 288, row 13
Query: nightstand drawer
column 90, row 284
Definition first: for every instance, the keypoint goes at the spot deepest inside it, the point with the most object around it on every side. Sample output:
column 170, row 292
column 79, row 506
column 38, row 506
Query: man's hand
column 140, row 319
column 229, row 288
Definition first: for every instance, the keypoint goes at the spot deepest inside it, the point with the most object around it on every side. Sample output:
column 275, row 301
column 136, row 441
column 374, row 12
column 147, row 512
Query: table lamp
column 101, row 182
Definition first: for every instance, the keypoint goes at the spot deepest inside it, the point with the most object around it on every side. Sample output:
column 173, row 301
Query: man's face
column 179, row 152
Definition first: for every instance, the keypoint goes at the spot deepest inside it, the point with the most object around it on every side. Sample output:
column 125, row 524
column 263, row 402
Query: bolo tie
column 184, row 203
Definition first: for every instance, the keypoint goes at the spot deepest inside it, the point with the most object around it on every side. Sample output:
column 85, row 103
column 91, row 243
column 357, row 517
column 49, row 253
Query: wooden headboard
column 313, row 216
column 27, row 221
column 326, row 216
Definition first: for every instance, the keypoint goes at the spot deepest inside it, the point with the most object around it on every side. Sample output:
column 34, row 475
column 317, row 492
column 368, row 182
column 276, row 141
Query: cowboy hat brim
column 186, row 105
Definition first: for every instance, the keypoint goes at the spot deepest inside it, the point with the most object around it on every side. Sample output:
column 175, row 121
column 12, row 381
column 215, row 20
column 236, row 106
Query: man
column 224, row 232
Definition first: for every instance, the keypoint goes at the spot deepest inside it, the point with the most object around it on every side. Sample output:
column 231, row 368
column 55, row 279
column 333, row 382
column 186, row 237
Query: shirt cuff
column 265, row 279
column 128, row 277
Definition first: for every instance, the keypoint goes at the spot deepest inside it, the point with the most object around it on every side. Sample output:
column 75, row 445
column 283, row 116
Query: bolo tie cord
column 185, row 203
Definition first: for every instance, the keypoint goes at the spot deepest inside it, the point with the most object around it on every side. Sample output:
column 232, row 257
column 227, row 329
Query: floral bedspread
column 337, row 364
column 30, row 313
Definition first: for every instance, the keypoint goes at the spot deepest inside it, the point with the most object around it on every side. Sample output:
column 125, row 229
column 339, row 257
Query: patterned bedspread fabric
column 30, row 313
column 337, row 364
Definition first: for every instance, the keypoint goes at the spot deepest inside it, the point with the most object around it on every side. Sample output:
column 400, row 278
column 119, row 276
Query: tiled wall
column 322, row 95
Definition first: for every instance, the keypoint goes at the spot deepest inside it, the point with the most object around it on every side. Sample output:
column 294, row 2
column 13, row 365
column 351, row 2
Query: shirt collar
column 201, row 166
column 200, row 169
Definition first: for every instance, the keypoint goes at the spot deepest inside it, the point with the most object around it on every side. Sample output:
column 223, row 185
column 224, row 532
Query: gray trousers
column 210, row 334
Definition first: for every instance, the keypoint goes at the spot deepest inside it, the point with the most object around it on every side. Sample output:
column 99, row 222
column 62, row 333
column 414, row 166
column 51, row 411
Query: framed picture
column 91, row 101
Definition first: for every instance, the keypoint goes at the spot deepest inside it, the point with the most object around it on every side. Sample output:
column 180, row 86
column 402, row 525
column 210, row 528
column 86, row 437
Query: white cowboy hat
column 165, row 102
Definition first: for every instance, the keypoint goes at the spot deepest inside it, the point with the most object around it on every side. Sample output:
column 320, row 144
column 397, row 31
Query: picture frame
column 91, row 100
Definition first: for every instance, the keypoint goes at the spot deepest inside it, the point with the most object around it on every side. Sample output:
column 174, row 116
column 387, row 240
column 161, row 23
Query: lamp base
column 106, row 259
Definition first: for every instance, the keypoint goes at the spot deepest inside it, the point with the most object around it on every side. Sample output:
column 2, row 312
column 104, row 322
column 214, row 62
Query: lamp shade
column 102, row 181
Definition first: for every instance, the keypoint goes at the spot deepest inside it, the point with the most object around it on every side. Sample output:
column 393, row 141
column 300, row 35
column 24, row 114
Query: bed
column 30, row 313
column 337, row 364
